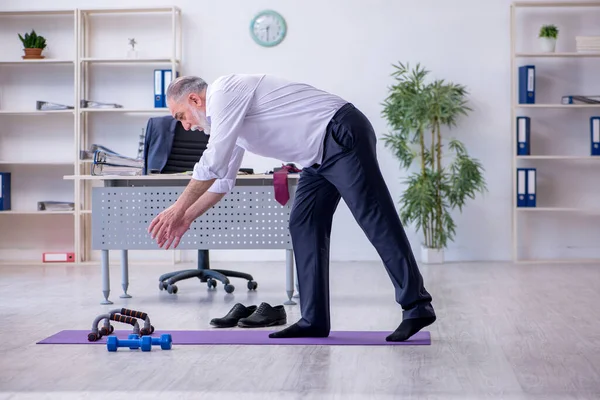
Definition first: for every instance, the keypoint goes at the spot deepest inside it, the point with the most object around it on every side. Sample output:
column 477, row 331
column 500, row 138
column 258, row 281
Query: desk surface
column 171, row 177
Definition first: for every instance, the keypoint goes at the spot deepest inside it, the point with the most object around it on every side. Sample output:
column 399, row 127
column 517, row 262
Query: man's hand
column 169, row 226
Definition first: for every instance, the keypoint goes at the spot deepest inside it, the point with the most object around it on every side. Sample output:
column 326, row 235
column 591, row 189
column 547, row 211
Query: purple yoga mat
column 249, row 337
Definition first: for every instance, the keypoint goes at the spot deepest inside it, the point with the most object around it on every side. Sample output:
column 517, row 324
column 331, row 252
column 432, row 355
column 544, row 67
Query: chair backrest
column 188, row 147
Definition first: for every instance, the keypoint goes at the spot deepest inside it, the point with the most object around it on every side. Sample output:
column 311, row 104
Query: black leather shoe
column 233, row 316
column 264, row 316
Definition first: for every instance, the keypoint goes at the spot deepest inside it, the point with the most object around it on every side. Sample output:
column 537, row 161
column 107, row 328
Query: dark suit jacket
column 158, row 143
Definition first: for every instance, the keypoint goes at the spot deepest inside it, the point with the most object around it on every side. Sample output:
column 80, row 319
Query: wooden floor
column 503, row 332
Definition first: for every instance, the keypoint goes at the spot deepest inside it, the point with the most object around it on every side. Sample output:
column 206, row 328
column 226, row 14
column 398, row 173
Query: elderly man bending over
column 336, row 146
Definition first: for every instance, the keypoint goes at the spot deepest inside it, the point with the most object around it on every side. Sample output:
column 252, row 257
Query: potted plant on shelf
column 416, row 111
column 548, row 35
column 33, row 45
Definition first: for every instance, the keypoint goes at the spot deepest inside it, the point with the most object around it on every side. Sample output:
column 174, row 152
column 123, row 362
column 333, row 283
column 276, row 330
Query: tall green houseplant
column 417, row 111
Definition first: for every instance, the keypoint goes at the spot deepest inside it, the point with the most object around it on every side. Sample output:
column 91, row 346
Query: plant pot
column 547, row 45
column 33, row 54
column 432, row 256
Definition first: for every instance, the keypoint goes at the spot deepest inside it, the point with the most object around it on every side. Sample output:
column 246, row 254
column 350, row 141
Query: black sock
column 409, row 327
column 294, row 331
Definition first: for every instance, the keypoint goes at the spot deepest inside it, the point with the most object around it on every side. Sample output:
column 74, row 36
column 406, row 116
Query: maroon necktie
column 282, row 193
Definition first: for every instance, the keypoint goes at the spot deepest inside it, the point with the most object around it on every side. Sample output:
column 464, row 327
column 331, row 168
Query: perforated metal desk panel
column 249, row 217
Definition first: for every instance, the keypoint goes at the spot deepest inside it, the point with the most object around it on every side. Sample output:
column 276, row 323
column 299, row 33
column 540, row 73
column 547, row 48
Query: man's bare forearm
column 194, row 190
column 205, row 202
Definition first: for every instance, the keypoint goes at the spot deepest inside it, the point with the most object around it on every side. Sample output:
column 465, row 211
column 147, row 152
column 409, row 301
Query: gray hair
column 185, row 85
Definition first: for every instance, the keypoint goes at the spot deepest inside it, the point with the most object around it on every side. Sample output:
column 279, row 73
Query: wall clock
column 268, row 28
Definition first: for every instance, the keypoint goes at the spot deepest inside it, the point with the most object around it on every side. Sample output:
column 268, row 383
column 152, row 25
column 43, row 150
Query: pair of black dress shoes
column 252, row 316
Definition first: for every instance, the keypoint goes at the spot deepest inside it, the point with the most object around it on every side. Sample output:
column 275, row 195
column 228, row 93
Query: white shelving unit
column 87, row 49
column 569, row 120
column 96, row 58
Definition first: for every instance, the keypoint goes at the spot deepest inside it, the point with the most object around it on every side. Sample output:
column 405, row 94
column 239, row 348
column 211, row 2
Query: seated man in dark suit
column 169, row 148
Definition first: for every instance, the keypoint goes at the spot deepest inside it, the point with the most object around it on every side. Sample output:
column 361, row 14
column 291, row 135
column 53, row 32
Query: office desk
column 248, row 217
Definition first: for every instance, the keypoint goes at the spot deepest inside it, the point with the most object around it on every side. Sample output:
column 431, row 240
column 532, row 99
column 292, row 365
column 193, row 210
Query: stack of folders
column 526, row 187
column 109, row 163
column 523, row 136
column 588, row 44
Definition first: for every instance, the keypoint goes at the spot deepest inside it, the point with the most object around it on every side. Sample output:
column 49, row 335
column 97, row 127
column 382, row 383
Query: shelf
column 555, row 4
column 36, row 61
column 74, row 85
column 36, row 12
column 559, row 76
column 17, row 212
column 576, row 261
column 585, row 210
column 126, row 110
column 129, row 60
column 38, row 263
column 559, row 158
column 130, row 10
column 557, row 105
column 557, row 55
column 36, row 112
column 7, row 162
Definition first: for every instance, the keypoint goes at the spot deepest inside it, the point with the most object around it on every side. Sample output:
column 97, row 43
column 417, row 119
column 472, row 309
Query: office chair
column 169, row 148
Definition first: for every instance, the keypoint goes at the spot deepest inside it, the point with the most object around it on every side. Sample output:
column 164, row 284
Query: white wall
column 347, row 47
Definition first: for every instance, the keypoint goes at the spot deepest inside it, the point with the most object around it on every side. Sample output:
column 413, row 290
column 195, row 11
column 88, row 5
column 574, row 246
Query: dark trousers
column 350, row 170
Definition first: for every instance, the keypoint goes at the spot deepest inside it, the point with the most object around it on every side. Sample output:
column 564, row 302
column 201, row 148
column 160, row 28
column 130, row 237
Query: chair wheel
column 252, row 285
column 172, row 289
column 212, row 283
column 229, row 288
column 162, row 285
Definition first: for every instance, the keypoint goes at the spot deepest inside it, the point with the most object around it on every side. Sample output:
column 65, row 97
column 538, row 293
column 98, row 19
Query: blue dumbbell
column 134, row 342
column 164, row 341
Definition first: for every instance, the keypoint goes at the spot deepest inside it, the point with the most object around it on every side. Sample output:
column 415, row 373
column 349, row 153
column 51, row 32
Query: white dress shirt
column 267, row 116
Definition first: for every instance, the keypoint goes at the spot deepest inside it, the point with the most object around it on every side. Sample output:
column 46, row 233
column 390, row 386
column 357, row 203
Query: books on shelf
column 586, row 44
column 55, row 206
column 97, row 104
column 41, row 105
column 526, row 187
column 580, row 99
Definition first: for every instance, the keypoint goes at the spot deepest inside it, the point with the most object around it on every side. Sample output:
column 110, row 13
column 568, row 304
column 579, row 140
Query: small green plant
column 33, row 41
column 549, row 31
